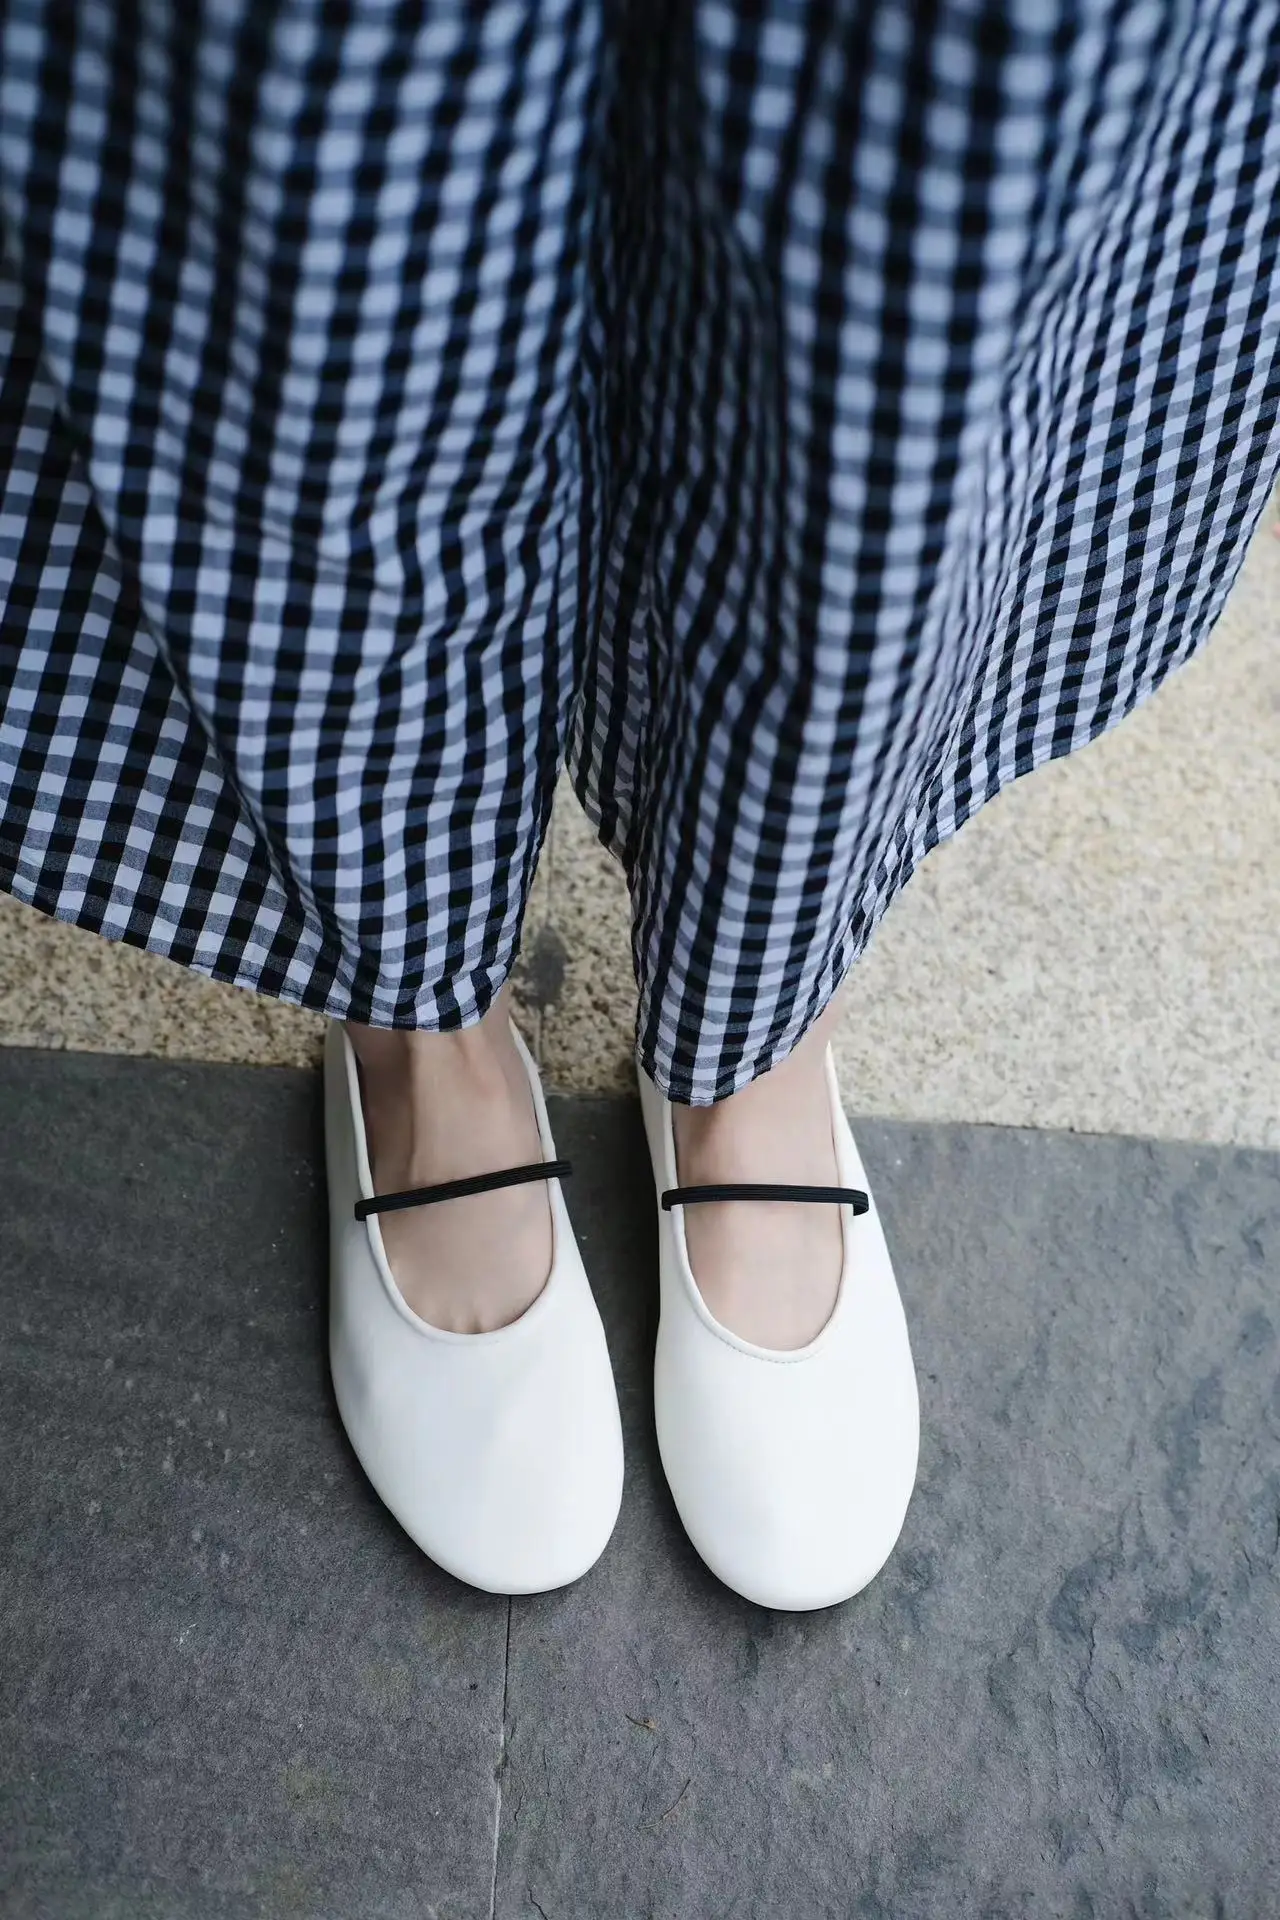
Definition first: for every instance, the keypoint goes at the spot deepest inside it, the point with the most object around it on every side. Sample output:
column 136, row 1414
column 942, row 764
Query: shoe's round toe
column 504, row 1471
column 791, row 1480
column 499, row 1454
column 529, row 1502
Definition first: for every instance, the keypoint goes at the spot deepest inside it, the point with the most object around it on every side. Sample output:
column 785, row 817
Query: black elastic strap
column 843, row 1196
column 456, row 1189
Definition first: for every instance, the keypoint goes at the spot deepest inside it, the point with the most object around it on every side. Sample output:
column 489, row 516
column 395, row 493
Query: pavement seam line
column 497, row 1772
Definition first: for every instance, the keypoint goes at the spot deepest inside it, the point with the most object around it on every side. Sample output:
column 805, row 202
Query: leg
column 338, row 648
column 299, row 295
column 439, row 1106
column 889, row 545
column 950, row 423
column 768, row 1270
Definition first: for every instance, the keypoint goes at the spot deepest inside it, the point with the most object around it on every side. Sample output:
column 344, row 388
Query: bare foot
column 439, row 1106
column 769, row 1270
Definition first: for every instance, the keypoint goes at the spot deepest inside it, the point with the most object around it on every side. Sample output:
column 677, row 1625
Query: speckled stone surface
column 1097, row 949
column 231, row 1690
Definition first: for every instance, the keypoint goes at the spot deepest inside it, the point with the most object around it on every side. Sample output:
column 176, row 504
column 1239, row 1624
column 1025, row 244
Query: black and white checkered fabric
column 808, row 418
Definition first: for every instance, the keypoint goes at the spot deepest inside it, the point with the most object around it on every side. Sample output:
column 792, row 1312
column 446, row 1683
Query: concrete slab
column 229, row 1687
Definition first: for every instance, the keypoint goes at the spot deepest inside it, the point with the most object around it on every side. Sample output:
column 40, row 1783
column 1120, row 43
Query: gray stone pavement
column 230, row 1687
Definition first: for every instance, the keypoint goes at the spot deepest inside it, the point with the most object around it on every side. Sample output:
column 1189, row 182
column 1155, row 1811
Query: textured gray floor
column 230, row 1687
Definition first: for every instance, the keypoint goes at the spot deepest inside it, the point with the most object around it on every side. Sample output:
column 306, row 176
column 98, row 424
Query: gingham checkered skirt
column 805, row 418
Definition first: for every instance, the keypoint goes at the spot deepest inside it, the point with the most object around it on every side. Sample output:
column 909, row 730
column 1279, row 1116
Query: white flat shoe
column 499, row 1453
column 791, row 1471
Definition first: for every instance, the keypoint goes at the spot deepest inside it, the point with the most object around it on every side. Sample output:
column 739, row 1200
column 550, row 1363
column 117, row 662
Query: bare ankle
column 416, row 1051
column 440, row 1106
